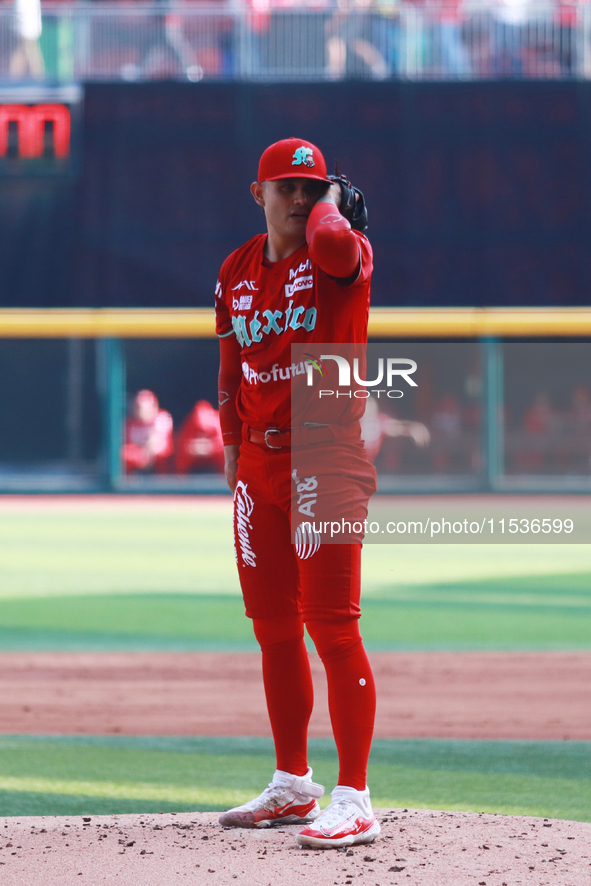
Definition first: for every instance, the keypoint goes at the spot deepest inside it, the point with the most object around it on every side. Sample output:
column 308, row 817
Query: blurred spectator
column 541, row 416
column 447, row 417
column 579, row 425
column 26, row 60
column 349, row 34
column 376, row 425
column 199, row 446
column 580, row 413
column 391, row 33
column 446, row 425
column 170, row 54
column 512, row 15
column 479, row 35
column 148, row 436
column 566, row 17
column 251, row 36
column 454, row 59
column 527, row 45
column 472, row 411
column 540, row 420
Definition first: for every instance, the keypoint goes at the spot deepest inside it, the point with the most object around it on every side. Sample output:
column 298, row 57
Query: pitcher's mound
column 415, row 847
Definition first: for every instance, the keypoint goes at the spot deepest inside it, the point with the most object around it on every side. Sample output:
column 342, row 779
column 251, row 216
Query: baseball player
column 306, row 281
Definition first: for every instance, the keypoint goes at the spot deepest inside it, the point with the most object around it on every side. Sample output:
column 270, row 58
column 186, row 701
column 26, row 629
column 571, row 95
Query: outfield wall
column 493, row 409
column 479, row 193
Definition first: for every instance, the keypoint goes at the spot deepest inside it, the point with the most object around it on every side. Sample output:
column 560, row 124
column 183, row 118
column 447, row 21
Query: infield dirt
column 467, row 695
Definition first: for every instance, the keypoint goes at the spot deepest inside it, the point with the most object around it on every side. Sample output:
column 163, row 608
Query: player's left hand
column 351, row 202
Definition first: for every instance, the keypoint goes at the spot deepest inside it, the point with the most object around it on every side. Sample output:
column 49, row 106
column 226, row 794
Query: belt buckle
column 271, row 431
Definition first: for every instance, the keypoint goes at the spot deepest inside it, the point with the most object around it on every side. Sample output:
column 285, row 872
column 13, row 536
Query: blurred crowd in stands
column 548, row 436
column 545, row 438
column 551, row 437
column 152, row 446
column 293, row 39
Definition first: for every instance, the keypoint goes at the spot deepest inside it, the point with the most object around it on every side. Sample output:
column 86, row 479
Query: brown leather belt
column 292, row 438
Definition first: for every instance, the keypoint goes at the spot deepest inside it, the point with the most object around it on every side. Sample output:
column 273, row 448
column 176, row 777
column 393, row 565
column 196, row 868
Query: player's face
column 287, row 203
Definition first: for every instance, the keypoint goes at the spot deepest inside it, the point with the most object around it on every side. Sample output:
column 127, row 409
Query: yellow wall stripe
column 383, row 322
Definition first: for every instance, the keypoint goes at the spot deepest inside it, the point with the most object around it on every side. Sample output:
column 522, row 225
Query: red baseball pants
column 317, row 584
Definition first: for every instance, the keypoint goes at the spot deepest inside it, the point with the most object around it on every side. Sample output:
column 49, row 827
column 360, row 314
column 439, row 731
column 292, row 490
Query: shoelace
column 334, row 813
column 270, row 795
column 274, row 793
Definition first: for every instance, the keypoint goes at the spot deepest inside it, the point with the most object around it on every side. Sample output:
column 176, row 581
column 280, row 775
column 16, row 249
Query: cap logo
column 303, row 157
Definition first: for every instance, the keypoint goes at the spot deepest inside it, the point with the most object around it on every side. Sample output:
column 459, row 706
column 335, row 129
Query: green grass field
column 164, row 578
column 93, row 775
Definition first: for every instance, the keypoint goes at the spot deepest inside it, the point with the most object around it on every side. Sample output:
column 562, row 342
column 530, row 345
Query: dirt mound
column 415, row 847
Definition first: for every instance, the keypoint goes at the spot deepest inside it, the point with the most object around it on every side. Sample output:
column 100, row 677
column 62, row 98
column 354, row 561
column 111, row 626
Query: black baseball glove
column 352, row 202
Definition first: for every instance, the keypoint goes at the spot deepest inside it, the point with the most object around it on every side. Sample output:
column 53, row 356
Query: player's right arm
column 338, row 250
column 229, row 379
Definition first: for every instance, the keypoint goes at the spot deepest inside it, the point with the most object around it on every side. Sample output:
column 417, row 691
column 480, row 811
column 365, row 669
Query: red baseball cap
column 292, row 158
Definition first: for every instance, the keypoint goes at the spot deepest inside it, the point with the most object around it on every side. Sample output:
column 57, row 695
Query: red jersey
column 199, row 443
column 271, row 306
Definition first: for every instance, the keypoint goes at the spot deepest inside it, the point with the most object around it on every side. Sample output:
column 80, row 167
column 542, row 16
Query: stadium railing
column 226, row 40
column 490, row 330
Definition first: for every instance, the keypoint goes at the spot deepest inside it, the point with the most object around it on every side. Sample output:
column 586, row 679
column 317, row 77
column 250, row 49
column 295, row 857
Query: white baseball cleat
column 349, row 819
column 289, row 799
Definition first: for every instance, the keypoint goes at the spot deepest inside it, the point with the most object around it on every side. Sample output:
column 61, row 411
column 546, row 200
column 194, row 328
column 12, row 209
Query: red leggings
column 289, row 692
column 283, row 592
